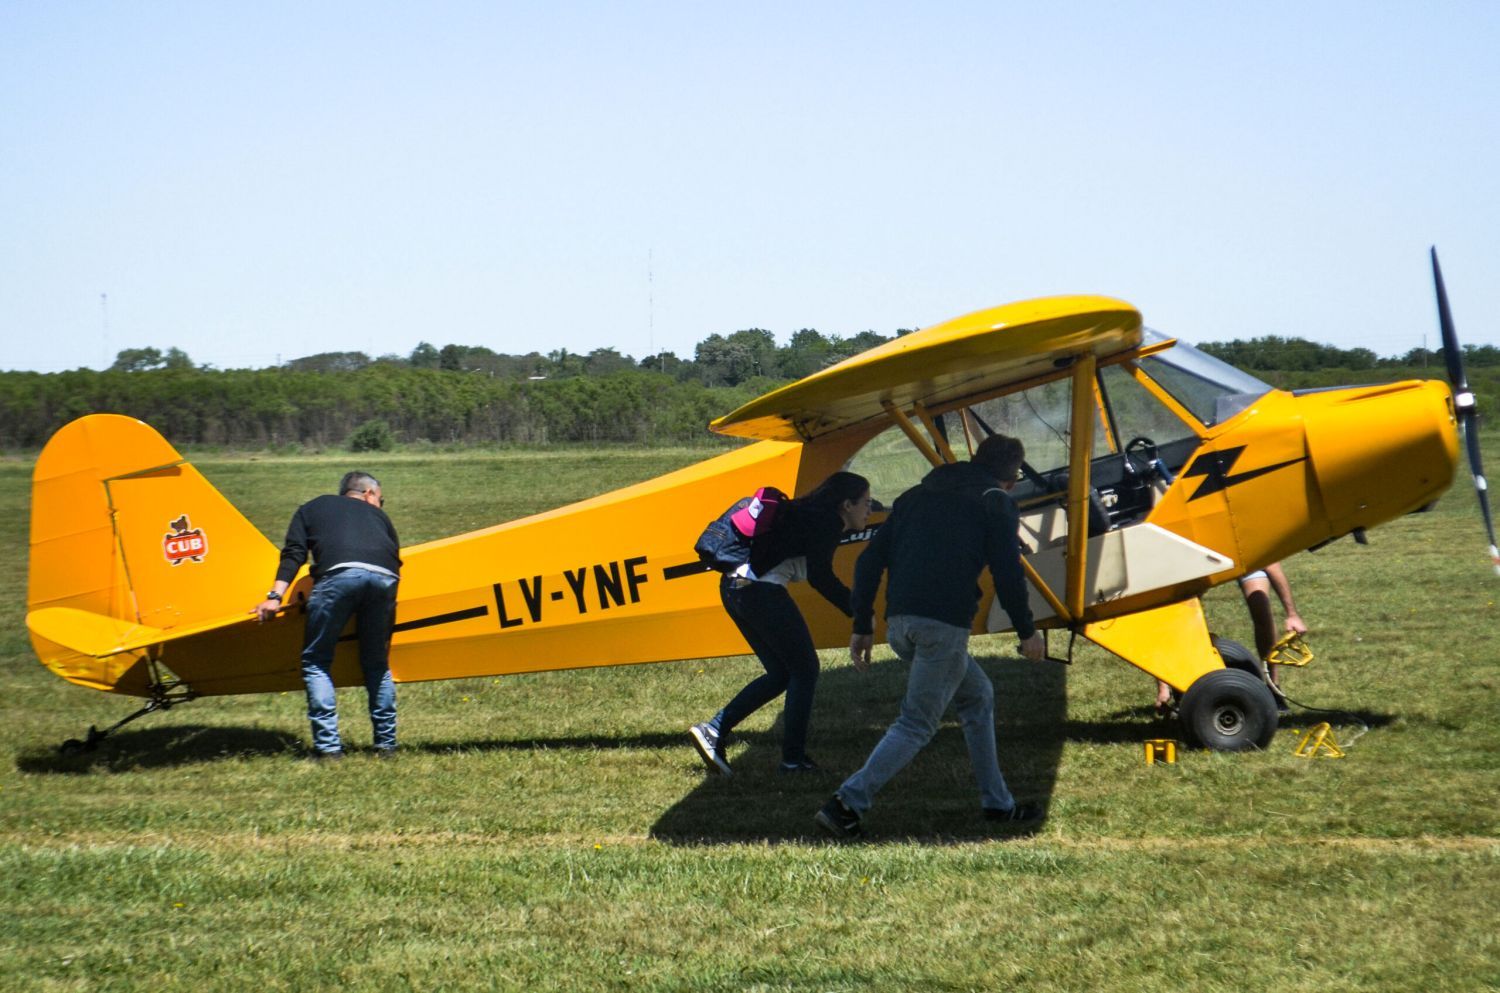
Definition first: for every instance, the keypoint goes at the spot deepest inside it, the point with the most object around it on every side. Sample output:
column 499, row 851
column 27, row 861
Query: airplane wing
column 959, row 358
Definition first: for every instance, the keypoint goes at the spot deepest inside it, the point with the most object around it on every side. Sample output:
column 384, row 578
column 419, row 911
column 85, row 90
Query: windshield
column 1213, row 390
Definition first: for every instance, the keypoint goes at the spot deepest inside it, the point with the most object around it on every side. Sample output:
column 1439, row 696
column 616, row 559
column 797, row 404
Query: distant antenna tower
column 651, row 307
column 104, row 311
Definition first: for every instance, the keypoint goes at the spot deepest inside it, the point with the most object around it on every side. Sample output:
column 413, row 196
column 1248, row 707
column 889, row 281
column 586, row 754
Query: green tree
column 562, row 364
column 137, row 359
column 603, row 361
column 329, row 362
column 864, row 341
column 424, row 356
column 372, row 436
column 805, row 354
column 729, row 361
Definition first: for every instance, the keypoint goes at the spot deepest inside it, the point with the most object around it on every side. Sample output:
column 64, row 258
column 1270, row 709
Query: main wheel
column 1237, row 656
column 1229, row 710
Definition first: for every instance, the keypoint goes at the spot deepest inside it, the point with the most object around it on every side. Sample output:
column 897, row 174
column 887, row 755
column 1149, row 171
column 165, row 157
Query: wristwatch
column 273, row 595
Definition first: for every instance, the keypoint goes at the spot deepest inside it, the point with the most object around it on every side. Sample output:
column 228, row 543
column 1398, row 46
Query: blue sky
column 251, row 182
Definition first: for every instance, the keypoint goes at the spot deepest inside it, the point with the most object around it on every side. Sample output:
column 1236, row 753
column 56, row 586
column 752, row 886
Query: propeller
column 1463, row 403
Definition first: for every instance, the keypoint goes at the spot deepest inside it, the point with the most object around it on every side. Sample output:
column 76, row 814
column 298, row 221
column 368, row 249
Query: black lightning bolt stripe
column 427, row 622
column 1214, row 468
column 684, row 570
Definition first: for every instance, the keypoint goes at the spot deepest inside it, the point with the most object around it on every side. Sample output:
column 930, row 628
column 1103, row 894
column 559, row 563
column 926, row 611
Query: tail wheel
column 1229, row 710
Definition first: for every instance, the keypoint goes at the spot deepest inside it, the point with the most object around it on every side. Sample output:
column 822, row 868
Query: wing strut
column 905, row 424
column 938, row 438
column 1078, row 481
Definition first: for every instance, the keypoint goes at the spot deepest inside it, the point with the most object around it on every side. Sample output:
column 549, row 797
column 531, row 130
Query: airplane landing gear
column 1229, row 710
column 163, row 697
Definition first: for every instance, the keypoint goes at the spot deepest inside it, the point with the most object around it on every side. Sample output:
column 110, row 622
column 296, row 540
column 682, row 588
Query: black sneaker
column 1021, row 813
column 385, row 753
column 326, row 756
column 706, row 740
column 804, row 764
column 838, row 820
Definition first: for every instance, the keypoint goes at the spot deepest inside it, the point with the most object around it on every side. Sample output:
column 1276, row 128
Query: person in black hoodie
column 356, row 566
column 940, row 535
column 800, row 546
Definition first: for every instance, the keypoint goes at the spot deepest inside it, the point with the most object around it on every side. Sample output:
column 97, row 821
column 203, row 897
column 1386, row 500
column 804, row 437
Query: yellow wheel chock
column 1291, row 650
column 1161, row 748
column 1318, row 741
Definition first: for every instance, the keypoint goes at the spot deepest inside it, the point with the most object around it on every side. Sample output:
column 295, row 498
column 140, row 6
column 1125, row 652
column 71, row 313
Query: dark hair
column 834, row 490
column 1000, row 456
column 357, row 482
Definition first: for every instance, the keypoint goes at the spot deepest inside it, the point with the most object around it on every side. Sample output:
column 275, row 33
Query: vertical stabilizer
column 122, row 527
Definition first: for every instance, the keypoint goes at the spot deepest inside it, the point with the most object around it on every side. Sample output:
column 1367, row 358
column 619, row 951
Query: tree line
column 1274, row 353
column 718, row 360
column 284, row 407
column 472, row 395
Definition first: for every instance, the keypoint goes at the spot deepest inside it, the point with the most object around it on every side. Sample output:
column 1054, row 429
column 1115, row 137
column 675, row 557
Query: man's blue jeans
column 942, row 672
column 369, row 597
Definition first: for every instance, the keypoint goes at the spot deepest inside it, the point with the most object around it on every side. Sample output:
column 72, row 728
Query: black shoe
column 804, row 764
column 385, row 753
column 706, row 740
column 326, row 756
column 1021, row 813
column 838, row 820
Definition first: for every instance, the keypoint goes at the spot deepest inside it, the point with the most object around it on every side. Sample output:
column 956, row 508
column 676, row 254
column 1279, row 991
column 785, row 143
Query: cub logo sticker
column 184, row 543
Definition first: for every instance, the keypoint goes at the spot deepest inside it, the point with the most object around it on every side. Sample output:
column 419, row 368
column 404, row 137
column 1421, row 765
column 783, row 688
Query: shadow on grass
column 660, row 739
column 934, row 800
column 1304, row 719
column 1126, row 725
column 162, row 747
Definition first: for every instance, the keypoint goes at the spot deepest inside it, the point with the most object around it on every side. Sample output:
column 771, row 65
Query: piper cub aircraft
column 1154, row 473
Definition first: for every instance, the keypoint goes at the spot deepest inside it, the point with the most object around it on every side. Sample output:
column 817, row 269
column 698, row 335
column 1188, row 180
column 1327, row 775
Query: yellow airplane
column 1154, row 473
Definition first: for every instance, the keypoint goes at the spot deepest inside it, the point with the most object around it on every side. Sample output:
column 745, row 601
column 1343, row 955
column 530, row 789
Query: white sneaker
column 706, row 740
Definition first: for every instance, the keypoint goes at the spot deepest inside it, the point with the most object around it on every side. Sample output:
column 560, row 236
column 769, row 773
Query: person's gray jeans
column 942, row 672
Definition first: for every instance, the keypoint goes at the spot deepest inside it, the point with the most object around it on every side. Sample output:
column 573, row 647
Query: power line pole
column 104, row 311
column 651, row 307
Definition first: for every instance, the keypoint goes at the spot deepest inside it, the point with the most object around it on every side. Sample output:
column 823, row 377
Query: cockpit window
column 1136, row 412
column 891, row 463
column 1213, row 390
column 1041, row 418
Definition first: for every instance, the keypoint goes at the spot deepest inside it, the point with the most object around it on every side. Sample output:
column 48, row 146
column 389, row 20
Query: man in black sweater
column 356, row 566
column 941, row 534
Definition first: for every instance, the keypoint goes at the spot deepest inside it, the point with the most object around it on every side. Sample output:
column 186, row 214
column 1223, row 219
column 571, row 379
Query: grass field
column 557, row 832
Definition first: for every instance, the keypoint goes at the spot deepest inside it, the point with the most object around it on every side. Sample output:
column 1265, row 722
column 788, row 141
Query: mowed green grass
column 557, row 832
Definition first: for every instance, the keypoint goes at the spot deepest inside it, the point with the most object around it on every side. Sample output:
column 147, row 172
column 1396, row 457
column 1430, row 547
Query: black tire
column 1237, row 656
column 1229, row 710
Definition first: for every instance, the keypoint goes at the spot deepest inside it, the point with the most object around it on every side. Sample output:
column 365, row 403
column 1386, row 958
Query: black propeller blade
column 1463, row 403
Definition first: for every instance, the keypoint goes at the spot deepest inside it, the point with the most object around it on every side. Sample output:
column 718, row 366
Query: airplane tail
column 131, row 548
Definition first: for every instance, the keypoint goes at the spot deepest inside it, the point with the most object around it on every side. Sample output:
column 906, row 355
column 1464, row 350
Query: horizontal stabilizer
column 101, row 636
